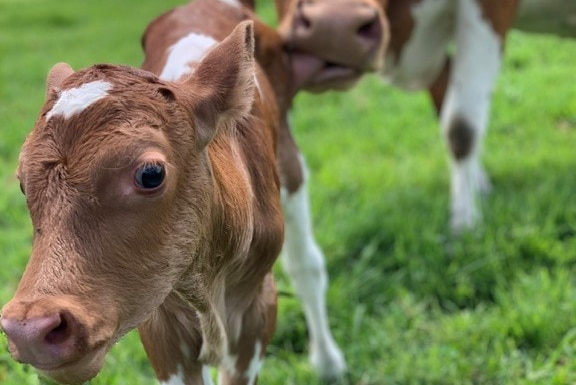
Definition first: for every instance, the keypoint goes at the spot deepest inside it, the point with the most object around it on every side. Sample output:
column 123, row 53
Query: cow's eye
column 150, row 176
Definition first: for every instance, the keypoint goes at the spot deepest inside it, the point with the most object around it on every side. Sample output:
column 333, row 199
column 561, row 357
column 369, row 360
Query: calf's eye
column 150, row 176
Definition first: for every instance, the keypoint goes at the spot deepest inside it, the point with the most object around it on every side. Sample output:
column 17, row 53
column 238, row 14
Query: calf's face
column 118, row 185
column 336, row 40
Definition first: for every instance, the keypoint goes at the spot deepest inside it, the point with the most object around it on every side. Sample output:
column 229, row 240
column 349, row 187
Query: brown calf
column 185, row 32
column 155, row 204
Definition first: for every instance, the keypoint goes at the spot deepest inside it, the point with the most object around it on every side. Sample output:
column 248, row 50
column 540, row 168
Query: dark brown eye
column 150, row 176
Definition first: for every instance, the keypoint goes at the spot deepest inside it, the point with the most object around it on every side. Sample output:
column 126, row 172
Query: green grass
column 409, row 304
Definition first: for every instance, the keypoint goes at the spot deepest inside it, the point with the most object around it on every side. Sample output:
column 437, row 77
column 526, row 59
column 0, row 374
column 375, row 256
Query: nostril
column 60, row 333
column 301, row 22
column 371, row 30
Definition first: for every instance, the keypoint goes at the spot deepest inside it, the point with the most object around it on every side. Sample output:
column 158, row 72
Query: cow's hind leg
column 172, row 340
column 303, row 261
column 465, row 111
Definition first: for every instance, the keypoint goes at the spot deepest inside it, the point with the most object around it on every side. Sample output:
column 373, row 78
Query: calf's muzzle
column 52, row 335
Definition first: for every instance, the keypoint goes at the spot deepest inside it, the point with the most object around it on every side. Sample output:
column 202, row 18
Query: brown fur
column 107, row 258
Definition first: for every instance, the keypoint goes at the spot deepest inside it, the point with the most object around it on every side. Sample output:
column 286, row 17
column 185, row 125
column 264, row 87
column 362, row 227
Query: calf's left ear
column 223, row 82
column 58, row 73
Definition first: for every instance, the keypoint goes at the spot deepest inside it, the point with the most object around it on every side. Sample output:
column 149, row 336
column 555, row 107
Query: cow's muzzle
column 345, row 37
column 57, row 337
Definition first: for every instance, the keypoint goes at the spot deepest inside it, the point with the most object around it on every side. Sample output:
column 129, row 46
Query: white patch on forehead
column 233, row 3
column 191, row 48
column 75, row 100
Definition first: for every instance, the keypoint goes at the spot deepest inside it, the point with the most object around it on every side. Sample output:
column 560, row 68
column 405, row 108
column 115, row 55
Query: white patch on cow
column 233, row 3
column 423, row 55
column 476, row 65
column 178, row 379
column 175, row 379
column 229, row 363
column 255, row 364
column 303, row 261
column 191, row 48
column 206, row 375
column 75, row 100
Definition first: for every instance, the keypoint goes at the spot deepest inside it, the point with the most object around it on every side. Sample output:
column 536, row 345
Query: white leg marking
column 206, row 375
column 475, row 69
column 304, row 263
column 191, row 48
column 228, row 365
column 255, row 364
column 175, row 379
column 76, row 100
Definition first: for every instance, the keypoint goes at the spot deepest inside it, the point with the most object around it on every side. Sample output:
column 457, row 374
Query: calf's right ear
column 224, row 82
column 58, row 73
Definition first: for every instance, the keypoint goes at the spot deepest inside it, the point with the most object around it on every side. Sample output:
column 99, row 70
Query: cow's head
column 333, row 42
column 119, row 190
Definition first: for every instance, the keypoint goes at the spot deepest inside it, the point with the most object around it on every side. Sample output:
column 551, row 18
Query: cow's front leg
column 250, row 332
column 465, row 111
column 172, row 340
column 304, row 263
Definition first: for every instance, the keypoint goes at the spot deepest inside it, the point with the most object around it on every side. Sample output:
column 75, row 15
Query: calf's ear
column 58, row 73
column 223, row 83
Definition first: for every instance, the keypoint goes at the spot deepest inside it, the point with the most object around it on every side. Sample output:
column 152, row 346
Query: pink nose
column 43, row 341
column 338, row 29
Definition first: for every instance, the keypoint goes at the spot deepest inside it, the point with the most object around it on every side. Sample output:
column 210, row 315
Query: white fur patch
column 229, row 363
column 233, row 3
column 423, row 55
column 304, row 263
column 191, row 48
column 475, row 68
column 175, row 379
column 76, row 100
column 206, row 375
column 255, row 364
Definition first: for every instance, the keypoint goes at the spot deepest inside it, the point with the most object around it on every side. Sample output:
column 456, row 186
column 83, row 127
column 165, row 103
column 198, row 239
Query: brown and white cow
column 422, row 35
column 181, row 33
column 155, row 204
column 114, row 254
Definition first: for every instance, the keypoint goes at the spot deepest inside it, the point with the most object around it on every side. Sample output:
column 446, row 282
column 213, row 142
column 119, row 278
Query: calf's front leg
column 304, row 263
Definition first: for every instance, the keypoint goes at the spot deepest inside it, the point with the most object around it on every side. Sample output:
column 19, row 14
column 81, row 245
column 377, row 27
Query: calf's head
column 337, row 40
column 118, row 185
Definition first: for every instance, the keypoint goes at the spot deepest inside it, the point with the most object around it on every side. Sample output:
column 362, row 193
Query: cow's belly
column 422, row 57
column 547, row 16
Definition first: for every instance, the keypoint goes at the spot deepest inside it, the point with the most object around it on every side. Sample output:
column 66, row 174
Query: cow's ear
column 223, row 82
column 56, row 76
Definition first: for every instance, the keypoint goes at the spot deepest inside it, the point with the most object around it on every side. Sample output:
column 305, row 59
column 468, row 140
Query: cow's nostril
column 58, row 334
column 371, row 30
column 301, row 22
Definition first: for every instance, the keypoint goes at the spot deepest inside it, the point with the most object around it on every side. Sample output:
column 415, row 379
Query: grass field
column 409, row 304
